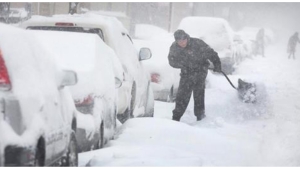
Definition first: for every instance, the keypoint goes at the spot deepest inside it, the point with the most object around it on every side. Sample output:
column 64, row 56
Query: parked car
column 99, row 72
column 135, row 95
column 217, row 33
column 164, row 78
column 38, row 116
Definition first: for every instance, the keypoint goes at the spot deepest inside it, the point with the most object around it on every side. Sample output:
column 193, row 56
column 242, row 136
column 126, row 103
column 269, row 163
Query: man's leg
column 182, row 98
column 199, row 96
column 293, row 54
column 199, row 104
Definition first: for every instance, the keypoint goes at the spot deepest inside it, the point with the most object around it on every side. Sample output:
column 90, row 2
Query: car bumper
column 162, row 93
column 86, row 142
column 124, row 96
column 18, row 156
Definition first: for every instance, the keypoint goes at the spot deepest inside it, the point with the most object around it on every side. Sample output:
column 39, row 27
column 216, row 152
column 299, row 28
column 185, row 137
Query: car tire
column 149, row 103
column 129, row 111
column 100, row 143
column 132, row 101
column 171, row 98
column 39, row 159
column 72, row 154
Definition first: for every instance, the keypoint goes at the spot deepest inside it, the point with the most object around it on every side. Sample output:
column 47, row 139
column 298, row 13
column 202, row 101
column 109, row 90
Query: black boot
column 176, row 118
column 200, row 117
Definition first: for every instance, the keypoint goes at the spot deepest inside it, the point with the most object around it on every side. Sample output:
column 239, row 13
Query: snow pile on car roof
column 214, row 31
column 88, row 18
column 87, row 55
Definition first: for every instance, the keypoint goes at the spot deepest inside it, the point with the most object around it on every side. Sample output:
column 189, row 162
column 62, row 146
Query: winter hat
column 180, row 35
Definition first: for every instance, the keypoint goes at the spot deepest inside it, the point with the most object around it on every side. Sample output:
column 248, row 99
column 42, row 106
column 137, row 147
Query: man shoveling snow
column 191, row 55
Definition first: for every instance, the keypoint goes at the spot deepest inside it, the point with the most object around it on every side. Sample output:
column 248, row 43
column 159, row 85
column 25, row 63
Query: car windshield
column 70, row 29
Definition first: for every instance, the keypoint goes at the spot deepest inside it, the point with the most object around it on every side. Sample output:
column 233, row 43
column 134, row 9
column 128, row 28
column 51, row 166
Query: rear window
column 70, row 29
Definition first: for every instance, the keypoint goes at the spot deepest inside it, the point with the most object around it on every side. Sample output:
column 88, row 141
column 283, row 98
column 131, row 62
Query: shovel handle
column 225, row 77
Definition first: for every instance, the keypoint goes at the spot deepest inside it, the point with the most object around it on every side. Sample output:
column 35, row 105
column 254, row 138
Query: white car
column 135, row 95
column 38, row 116
column 164, row 78
column 94, row 95
column 217, row 33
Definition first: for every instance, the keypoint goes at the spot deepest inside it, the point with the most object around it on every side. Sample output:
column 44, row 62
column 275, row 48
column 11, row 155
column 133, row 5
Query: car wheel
column 129, row 111
column 72, row 154
column 100, row 143
column 115, row 119
column 171, row 95
column 132, row 102
column 149, row 103
column 39, row 159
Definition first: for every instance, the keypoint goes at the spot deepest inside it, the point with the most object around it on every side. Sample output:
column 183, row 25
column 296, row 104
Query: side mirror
column 145, row 53
column 118, row 83
column 69, row 78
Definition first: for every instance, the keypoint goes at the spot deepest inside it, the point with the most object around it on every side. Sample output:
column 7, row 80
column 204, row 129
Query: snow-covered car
column 217, row 33
column 164, row 78
column 135, row 95
column 99, row 72
column 38, row 115
column 13, row 15
column 17, row 15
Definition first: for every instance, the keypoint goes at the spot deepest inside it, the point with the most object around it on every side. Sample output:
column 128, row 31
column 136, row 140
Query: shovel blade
column 246, row 91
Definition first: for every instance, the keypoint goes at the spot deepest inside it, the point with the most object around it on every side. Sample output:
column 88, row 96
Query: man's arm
column 211, row 55
column 174, row 59
column 214, row 58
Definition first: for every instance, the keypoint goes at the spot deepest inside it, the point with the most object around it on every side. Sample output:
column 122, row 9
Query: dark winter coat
column 193, row 58
column 293, row 42
column 260, row 36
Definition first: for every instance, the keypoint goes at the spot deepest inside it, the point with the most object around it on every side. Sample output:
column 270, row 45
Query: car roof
column 80, row 20
column 16, row 43
column 75, row 51
column 84, row 53
column 206, row 24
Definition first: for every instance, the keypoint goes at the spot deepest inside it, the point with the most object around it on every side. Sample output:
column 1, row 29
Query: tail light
column 4, row 77
column 64, row 24
column 86, row 101
column 155, row 78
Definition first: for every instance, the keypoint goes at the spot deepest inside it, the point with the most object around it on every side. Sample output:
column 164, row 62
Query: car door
column 63, row 127
column 62, row 119
column 55, row 122
column 140, row 76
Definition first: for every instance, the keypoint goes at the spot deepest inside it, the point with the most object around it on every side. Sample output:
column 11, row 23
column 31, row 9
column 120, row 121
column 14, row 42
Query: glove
column 217, row 68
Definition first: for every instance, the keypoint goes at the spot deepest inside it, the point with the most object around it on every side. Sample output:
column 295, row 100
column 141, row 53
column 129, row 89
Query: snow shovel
column 246, row 91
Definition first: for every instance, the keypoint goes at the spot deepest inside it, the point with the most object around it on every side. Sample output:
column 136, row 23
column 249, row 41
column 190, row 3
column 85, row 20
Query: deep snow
column 232, row 134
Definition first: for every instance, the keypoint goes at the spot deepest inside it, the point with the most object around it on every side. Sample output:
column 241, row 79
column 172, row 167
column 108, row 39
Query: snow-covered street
column 150, row 84
column 232, row 134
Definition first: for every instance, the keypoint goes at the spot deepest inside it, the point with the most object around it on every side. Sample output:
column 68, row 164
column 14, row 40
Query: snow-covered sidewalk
column 232, row 134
